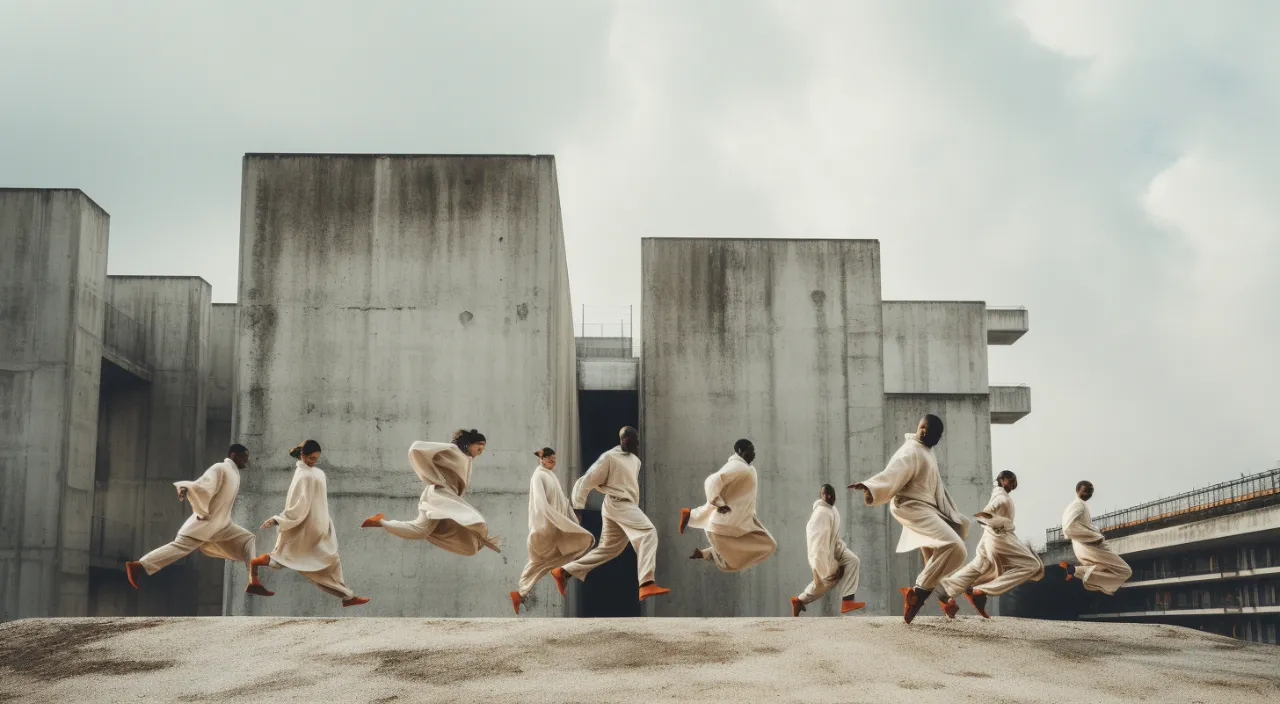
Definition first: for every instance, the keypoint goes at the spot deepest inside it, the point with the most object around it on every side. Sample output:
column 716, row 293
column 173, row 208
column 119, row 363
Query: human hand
column 722, row 509
column 182, row 493
column 982, row 514
column 269, row 522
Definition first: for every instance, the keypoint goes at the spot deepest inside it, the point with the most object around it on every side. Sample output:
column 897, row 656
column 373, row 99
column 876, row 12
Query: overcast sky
column 1113, row 166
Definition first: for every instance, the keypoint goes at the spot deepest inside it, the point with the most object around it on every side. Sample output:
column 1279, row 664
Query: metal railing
column 1251, row 488
column 124, row 335
column 110, row 539
column 605, row 321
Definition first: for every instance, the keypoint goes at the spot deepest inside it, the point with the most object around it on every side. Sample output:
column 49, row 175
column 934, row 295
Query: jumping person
column 209, row 528
column 834, row 565
column 617, row 475
column 917, row 499
column 444, row 518
column 1100, row 570
column 738, row 539
column 306, row 541
column 555, row 536
column 1003, row 561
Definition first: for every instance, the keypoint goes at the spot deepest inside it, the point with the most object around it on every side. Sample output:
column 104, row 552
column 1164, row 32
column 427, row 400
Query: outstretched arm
column 885, row 485
column 594, row 477
column 201, row 491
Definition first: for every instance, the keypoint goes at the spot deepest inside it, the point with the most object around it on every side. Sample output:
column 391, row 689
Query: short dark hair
column 828, row 489
column 628, row 430
column 741, row 445
column 305, row 447
column 237, row 449
column 1083, row 482
column 935, row 429
column 465, row 438
column 545, row 452
column 1006, row 474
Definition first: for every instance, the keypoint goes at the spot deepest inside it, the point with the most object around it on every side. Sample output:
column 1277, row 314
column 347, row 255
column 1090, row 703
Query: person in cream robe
column 209, row 528
column 556, row 538
column 306, row 541
column 931, row 523
column 617, row 475
column 1100, row 570
column 445, row 519
column 1003, row 561
column 834, row 565
column 738, row 539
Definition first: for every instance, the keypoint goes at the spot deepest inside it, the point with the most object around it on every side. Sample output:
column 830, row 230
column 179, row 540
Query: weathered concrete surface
column 54, row 245
column 778, row 341
column 647, row 661
column 387, row 299
column 1006, row 326
column 220, row 393
column 138, row 491
column 1009, row 404
column 935, row 347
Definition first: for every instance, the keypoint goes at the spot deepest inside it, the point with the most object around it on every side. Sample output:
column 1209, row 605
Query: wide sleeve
column 594, row 477
column 200, row 492
column 1076, row 525
column 820, row 534
column 714, row 487
column 886, row 485
column 297, row 503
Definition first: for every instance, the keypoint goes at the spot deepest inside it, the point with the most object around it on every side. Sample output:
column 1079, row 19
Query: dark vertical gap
column 611, row 589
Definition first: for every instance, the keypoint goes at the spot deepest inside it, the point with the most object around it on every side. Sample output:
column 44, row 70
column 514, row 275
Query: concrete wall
column 387, row 299
column 937, row 347
column 777, row 341
column 221, row 386
column 51, row 279
column 1259, row 524
column 964, row 459
column 175, row 312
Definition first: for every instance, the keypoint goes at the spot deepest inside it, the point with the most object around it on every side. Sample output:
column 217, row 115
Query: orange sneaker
column 847, row 605
column 562, row 579
column 1067, row 567
column 910, row 603
column 258, row 590
column 355, row 601
column 649, row 590
column 979, row 602
column 262, row 560
column 950, row 608
column 133, row 570
column 684, row 519
column 796, row 606
column 515, row 602
column 374, row 521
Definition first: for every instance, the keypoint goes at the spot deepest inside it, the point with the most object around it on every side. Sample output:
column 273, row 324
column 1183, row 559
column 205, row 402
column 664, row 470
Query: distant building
column 1208, row 559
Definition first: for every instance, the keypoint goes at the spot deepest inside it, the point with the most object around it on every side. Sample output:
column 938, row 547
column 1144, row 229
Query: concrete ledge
column 633, row 660
column 1221, row 611
column 1006, row 325
column 1010, row 403
column 603, row 374
column 1257, row 525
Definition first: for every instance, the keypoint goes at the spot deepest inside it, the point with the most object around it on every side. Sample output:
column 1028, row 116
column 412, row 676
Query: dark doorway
column 611, row 589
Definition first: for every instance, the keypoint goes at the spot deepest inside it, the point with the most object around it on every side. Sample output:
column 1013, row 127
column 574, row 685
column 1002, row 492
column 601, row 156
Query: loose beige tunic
column 209, row 528
column 1100, row 570
column 917, row 499
column 444, row 518
column 555, row 536
column 1003, row 561
column 738, row 539
column 827, row 554
column 306, row 541
column 617, row 475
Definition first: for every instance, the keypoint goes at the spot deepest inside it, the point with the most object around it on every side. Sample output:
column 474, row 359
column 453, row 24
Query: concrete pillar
column 778, row 341
column 387, row 299
column 51, row 307
column 175, row 314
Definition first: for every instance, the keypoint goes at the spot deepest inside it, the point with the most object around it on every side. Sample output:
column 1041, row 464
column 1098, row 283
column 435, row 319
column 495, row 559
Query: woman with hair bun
column 444, row 518
column 307, row 542
column 555, row 536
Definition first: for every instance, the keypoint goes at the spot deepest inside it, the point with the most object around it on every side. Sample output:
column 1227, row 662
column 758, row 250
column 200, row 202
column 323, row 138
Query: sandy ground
column 398, row 661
